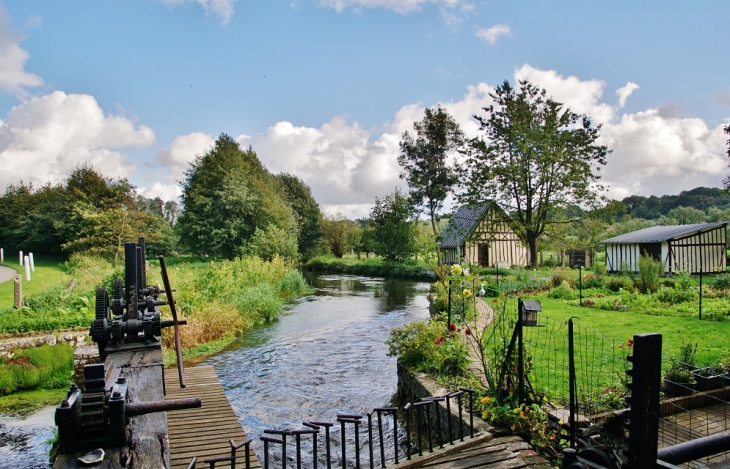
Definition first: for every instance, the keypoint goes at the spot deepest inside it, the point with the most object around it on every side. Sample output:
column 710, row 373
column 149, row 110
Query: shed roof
column 658, row 234
column 461, row 225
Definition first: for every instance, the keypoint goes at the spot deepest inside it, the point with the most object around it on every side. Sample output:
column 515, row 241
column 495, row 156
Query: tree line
column 538, row 160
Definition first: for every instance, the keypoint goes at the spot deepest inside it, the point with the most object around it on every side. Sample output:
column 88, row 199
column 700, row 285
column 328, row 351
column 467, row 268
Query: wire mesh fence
column 693, row 410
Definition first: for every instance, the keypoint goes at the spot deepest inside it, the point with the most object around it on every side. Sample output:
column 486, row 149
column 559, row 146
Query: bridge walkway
column 204, row 432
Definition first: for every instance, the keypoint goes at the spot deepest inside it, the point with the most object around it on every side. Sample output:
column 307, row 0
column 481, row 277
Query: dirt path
column 6, row 273
column 484, row 318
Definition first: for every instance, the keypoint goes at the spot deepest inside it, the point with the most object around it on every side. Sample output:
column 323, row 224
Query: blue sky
column 325, row 88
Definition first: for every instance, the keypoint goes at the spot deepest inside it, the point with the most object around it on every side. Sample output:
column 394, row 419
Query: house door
column 483, row 255
column 651, row 249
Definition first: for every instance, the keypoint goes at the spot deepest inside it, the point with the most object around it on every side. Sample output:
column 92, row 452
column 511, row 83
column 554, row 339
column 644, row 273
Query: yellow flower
column 466, row 293
column 456, row 269
column 513, row 427
column 485, row 399
column 561, row 423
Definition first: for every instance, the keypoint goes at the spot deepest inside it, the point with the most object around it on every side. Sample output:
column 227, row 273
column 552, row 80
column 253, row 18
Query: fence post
column 571, row 382
column 644, row 386
column 18, row 281
column 520, row 364
column 448, row 324
column 700, row 292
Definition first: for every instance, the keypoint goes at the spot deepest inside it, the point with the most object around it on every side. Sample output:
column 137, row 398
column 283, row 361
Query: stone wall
column 71, row 337
column 414, row 386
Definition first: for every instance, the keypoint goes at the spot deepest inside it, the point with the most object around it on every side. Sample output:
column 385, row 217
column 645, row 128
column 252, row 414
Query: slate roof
column 461, row 225
column 658, row 234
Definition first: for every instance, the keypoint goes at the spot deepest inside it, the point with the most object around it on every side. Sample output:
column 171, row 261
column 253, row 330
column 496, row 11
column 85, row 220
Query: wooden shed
column 681, row 248
column 481, row 235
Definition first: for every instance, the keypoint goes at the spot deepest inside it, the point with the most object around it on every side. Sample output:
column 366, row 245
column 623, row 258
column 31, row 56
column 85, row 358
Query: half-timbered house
column 481, row 235
column 681, row 248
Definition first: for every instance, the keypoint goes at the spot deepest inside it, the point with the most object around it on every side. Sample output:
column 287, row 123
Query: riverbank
column 372, row 267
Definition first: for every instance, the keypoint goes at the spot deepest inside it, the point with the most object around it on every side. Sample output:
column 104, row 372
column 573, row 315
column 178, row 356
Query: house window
column 651, row 249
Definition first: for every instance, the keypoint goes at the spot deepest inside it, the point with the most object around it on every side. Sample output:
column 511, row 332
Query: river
column 325, row 355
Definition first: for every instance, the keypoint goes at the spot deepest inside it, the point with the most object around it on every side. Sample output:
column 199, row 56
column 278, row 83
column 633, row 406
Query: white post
column 2, row 255
column 27, row 268
column 32, row 263
column 20, row 257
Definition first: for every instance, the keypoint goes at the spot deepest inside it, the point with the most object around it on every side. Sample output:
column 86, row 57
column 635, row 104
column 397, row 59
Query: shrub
column 415, row 344
column 563, row 275
column 722, row 281
column 562, row 292
column 650, row 272
column 619, row 282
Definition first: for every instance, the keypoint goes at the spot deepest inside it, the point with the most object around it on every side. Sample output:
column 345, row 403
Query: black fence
column 375, row 439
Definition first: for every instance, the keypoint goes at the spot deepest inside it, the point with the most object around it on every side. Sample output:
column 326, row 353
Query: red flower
column 467, row 331
column 439, row 340
column 452, row 327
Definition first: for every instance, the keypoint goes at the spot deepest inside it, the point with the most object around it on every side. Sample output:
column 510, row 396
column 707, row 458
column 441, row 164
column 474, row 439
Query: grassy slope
column 47, row 273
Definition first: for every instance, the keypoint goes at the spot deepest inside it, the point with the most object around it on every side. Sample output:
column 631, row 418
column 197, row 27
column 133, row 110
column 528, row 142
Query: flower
column 439, row 340
column 467, row 331
column 452, row 327
column 485, row 399
column 456, row 269
column 466, row 293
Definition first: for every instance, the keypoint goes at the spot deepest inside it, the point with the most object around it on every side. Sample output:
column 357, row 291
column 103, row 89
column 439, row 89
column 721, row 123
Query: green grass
column 48, row 272
column 374, row 266
column 25, row 402
column 713, row 338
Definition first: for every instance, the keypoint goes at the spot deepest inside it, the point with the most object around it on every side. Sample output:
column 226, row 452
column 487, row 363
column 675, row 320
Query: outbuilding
column 697, row 248
column 481, row 235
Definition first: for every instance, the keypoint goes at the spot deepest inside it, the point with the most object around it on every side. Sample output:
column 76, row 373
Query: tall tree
column 392, row 220
column 726, row 181
column 337, row 233
column 306, row 211
column 424, row 156
column 227, row 195
column 535, row 157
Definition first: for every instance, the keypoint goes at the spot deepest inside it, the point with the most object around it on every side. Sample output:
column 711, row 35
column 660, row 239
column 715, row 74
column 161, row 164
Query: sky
column 324, row 89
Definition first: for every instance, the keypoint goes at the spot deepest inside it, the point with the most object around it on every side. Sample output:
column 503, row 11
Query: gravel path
column 6, row 273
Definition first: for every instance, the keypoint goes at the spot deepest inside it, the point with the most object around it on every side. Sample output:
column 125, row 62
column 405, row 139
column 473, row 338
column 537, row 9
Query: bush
column 562, row 292
column 415, row 344
column 650, row 273
column 722, row 281
column 563, row 275
column 619, row 282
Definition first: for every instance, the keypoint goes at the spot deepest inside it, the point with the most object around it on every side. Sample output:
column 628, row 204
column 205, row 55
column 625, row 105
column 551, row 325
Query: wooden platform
column 204, row 432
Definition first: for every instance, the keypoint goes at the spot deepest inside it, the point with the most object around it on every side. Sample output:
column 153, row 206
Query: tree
column 227, row 195
column 392, row 220
column 726, row 181
column 306, row 211
column 424, row 158
column 336, row 235
column 534, row 158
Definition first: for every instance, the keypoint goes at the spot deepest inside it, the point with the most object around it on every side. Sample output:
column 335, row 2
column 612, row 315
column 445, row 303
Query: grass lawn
column 47, row 273
column 713, row 338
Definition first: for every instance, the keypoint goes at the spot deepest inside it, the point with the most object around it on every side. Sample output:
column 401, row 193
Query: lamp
column 528, row 312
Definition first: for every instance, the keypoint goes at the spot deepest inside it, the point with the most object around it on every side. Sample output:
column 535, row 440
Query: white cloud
column 163, row 191
column 176, row 158
column 223, row 9
column 13, row 77
column 624, row 92
column 43, row 139
column 491, row 35
column 399, row 6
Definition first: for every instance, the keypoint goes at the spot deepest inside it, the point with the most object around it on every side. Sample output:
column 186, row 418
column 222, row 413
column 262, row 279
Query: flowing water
column 325, row 355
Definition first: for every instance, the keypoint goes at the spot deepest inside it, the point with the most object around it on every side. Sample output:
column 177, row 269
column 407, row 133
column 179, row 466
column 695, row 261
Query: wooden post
column 18, row 290
column 645, row 386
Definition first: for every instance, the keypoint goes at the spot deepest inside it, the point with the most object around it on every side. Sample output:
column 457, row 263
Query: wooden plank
column 204, row 432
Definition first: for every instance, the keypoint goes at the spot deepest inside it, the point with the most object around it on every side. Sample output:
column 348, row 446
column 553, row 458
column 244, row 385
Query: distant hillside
column 653, row 207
